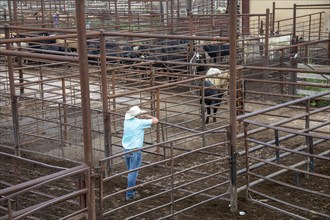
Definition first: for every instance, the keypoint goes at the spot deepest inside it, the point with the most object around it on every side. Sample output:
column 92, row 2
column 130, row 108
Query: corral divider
column 303, row 159
column 298, row 22
column 48, row 192
column 166, row 190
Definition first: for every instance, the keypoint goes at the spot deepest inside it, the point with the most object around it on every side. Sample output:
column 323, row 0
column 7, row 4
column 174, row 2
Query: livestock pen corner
column 62, row 112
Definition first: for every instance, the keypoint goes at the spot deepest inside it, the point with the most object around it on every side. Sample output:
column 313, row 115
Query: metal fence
column 170, row 182
column 32, row 189
column 300, row 149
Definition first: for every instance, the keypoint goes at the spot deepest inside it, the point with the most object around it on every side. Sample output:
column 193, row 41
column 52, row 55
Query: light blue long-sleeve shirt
column 133, row 136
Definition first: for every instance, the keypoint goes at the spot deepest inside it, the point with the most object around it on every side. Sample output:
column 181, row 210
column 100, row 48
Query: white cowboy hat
column 134, row 111
column 212, row 71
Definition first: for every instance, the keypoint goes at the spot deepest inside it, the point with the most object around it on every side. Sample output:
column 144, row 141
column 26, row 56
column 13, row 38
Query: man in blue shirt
column 135, row 122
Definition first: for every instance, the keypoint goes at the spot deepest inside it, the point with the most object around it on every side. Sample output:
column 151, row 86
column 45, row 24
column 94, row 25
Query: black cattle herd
column 161, row 51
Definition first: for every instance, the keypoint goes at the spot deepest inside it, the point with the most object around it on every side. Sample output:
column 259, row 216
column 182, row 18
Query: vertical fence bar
column 310, row 146
column 101, row 189
column 113, row 85
column 260, row 26
column 61, row 130
column 273, row 20
column 172, row 179
column 37, row 114
column 158, row 116
column 240, row 93
column 21, row 75
column 41, row 83
column 281, row 73
column 85, row 101
column 307, row 119
column 310, row 28
column 232, row 103
column 202, row 101
column 177, row 8
column 129, row 15
column 306, row 53
column 82, row 198
column 277, row 152
column 106, row 116
column 246, row 146
column 163, row 139
column 243, row 92
column 293, row 64
column 329, row 50
column 190, row 16
column 266, row 61
column 65, row 113
column 13, row 95
column 320, row 26
column 16, row 175
column 9, row 10
column 10, row 210
column 43, row 11
column 172, row 16
column 294, row 21
column 152, row 92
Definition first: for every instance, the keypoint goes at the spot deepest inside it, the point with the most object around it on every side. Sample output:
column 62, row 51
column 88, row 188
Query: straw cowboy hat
column 134, row 111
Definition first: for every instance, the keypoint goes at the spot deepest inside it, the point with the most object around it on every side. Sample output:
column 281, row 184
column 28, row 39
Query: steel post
column 232, row 102
column 266, row 61
column 85, row 101
column 13, row 96
column 105, row 103
column 294, row 22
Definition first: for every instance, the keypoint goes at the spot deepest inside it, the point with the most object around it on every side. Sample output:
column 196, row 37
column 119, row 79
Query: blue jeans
column 133, row 160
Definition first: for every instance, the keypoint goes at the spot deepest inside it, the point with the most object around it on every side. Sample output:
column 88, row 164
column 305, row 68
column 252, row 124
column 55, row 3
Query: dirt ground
column 220, row 209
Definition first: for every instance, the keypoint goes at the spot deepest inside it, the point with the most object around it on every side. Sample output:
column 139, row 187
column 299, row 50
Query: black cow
column 215, row 51
column 163, row 50
column 39, row 44
column 212, row 99
column 36, row 44
column 93, row 48
column 55, row 48
column 174, row 50
column 154, row 52
column 200, row 59
column 113, row 49
column 127, row 51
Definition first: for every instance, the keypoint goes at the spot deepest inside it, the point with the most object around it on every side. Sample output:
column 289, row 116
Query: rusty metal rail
column 289, row 160
column 121, row 85
column 164, row 175
column 39, row 194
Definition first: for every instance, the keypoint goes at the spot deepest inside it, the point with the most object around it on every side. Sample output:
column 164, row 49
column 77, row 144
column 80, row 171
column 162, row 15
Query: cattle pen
column 65, row 85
